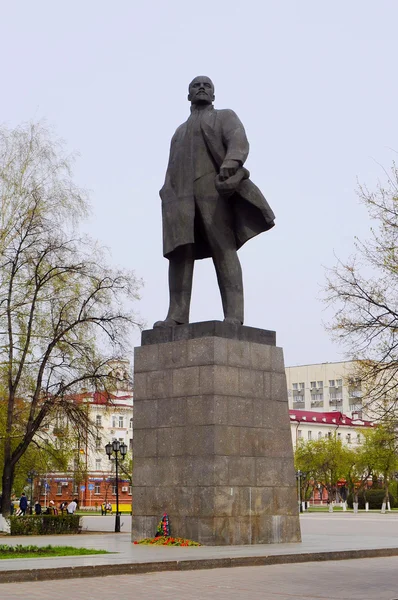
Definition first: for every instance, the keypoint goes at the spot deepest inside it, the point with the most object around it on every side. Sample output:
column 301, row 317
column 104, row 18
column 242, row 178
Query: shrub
column 45, row 524
column 374, row 497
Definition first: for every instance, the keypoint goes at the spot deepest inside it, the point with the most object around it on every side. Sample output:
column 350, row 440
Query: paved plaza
column 363, row 579
column 322, row 532
column 366, row 578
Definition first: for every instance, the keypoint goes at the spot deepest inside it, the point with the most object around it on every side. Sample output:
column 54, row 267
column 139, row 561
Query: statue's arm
column 171, row 158
column 235, row 141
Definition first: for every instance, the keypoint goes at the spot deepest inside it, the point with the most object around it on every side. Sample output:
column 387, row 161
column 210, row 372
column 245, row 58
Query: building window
column 75, row 489
column 319, row 384
column 121, row 421
column 339, row 382
column 98, row 443
column 358, row 438
column 98, row 421
column 131, row 423
column 98, row 464
column 302, row 386
column 131, row 443
column 313, row 384
column 331, row 383
column 319, row 435
column 309, row 435
column 114, row 421
column 348, row 438
column 299, row 434
column 295, row 386
column 97, row 488
column 114, row 490
column 317, row 397
column 59, row 489
column 335, row 398
column 130, row 490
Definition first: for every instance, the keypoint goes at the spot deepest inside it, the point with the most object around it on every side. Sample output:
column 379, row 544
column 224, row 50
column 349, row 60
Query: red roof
column 101, row 397
column 327, row 418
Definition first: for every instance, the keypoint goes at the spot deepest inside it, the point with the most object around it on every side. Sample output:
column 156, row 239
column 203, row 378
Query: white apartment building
column 112, row 414
column 325, row 387
column 315, row 425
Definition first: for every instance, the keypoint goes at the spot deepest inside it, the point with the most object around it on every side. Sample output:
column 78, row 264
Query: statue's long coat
column 225, row 138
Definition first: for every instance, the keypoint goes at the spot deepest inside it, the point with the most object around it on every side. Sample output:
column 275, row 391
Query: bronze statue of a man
column 210, row 207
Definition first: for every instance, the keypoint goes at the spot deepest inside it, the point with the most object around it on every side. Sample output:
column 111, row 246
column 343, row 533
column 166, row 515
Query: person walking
column 71, row 508
column 37, row 507
column 23, row 504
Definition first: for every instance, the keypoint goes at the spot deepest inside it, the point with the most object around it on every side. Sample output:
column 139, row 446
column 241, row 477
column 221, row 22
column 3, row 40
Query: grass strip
column 19, row 551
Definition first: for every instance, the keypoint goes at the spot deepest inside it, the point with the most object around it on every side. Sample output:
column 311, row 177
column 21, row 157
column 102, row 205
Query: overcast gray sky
column 315, row 84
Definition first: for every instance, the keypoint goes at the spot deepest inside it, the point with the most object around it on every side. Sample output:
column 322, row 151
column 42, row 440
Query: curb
column 188, row 565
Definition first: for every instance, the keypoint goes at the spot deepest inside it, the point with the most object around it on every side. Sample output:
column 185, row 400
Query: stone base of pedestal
column 212, row 443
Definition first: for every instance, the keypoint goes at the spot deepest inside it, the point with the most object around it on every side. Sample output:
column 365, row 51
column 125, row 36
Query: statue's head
column 201, row 90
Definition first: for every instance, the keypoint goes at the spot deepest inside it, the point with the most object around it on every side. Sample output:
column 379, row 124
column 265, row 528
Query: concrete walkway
column 105, row 523
column 325, row 537
column 366, row 579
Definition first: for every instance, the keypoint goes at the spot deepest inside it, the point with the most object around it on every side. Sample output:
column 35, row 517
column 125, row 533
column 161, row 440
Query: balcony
column 335, row 401
column 356, row 407
column 299, row 404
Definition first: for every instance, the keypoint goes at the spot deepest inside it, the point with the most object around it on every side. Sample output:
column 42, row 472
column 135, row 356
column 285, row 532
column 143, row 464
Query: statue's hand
column 228, row 169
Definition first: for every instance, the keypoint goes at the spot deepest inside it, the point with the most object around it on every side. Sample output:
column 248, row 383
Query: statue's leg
column 229, row 277
column 217, row 222
column 181, row 266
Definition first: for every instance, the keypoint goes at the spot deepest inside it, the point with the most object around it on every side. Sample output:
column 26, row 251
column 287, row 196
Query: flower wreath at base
column 167, row 541
column 163, row 536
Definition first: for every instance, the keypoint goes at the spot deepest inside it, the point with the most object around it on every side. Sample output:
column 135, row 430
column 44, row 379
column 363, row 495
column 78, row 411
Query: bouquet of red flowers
column 163, row 527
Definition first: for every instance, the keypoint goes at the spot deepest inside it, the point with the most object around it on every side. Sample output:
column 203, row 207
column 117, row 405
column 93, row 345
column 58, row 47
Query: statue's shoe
column 166, row 323
column 233, row 321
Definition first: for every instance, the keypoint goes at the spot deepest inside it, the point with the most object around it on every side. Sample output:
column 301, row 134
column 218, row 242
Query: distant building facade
column 325, row 387
column 314, row 425
column 91, row 475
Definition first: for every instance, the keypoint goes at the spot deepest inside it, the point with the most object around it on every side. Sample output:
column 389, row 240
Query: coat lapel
column 212, row 137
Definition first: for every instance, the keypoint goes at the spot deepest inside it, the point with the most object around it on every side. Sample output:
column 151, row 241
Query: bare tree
column 63, row 312
column 364, row 293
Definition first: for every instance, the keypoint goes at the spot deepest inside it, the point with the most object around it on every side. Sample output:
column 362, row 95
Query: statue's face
column 201, row 90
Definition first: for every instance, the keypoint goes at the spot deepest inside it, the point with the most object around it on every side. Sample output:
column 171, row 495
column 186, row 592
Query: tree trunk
column 385, row 500
column 7, row 483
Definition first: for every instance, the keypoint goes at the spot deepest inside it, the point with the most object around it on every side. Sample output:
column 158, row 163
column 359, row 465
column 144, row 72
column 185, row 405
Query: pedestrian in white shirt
column 70, row 509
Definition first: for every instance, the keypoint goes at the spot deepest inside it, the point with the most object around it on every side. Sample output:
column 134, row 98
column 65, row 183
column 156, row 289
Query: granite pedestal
column 212, row 443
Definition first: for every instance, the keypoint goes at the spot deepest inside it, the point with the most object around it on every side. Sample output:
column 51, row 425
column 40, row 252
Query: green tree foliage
column 325, row 462
column 328, row 461
column 64, row 312
column 382, row 448
column 362, row 466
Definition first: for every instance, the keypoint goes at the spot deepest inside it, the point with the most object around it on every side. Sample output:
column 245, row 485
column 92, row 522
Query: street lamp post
column 31, row 476
column 299, row 476
column 116, row 448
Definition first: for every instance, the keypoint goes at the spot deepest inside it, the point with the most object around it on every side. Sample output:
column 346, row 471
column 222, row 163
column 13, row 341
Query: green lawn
column 20, row 551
